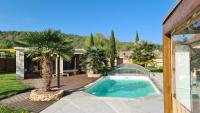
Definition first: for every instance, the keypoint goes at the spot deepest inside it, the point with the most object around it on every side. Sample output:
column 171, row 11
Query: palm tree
column 44, row 47
column 94, row 59
column 143, row 53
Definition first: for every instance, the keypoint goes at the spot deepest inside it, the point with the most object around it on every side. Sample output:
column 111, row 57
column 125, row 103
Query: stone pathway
column 69, row 84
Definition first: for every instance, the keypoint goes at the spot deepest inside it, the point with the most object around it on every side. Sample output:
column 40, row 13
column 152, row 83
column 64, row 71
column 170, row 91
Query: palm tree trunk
column 46, row 73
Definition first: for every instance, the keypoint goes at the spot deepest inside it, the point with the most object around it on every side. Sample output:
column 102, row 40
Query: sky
column 83, row 17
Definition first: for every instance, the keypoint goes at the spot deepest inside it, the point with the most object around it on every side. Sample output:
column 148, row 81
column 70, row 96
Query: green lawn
column 4, row 109
column 10, row 86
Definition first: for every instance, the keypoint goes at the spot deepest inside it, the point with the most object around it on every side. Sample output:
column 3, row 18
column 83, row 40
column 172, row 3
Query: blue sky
column 82, row 17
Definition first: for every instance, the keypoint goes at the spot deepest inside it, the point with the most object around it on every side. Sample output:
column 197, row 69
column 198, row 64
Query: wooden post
column 75, row 67
column 6, row 65
column 58, row 72
column 167, row 78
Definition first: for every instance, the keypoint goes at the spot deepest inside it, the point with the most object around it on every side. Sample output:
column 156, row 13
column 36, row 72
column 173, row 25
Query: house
column 158, row 61
column 181, row 53
column 124, row 57
column 26, row 68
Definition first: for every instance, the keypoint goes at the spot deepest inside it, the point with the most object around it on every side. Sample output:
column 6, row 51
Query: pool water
column 130, row 87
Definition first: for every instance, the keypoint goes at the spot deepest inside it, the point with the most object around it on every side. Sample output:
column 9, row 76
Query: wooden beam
column 167, row 79
column 181, row 14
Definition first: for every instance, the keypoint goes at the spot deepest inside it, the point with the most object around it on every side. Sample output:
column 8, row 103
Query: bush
column 155, row 69
column 104, row 70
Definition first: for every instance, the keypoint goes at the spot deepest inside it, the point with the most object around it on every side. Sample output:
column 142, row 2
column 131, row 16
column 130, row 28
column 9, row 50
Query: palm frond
column 49, row 43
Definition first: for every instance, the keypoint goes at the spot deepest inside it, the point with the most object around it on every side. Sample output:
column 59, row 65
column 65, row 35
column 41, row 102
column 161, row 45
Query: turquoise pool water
column 125, row 88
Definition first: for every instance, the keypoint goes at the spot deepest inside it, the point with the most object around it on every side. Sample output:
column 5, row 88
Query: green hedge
column 155, row 69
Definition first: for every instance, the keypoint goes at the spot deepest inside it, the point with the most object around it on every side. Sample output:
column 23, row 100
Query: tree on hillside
column 5, row 44
column 143, row 53
column 113, row 50
column 100, row 41
column 78, row 41
column 45, row 47
column 91, row 40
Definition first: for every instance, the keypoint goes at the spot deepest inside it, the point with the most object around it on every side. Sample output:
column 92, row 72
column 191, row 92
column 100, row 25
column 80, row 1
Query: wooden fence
column 178, row 108
column 7, row 65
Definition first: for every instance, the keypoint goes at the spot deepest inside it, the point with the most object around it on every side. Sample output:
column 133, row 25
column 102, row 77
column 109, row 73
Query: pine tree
column 91, row 40
column 113, row 51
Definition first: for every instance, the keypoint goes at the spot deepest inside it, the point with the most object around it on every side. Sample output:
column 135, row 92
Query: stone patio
column 80, row 102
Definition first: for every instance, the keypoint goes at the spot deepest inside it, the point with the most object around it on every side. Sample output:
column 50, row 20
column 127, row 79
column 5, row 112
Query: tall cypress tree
column 137, row 39
column 91, row 40
column 113, row 51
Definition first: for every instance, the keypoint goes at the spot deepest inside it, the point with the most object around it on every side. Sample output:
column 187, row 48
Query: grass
column 5, row 109
column 10, row 86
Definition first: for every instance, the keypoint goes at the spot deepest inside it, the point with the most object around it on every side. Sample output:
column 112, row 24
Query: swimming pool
column 123, row 87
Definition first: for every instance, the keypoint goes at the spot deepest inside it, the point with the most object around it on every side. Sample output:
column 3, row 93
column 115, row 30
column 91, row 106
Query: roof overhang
column 76, row 51
column 183, row 15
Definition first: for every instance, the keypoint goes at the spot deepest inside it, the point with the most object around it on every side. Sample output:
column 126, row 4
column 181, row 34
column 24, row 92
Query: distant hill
column 7, row 40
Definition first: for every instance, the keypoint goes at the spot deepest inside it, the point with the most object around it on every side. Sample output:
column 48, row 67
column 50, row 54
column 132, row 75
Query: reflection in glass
column 188, row 90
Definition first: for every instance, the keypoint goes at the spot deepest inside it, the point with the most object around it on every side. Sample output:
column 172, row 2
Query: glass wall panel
column 186, row 70
column 181, row 68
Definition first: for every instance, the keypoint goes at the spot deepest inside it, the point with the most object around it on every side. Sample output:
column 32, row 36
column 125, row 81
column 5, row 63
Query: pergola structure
column 26, row 68
column 184, row 18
